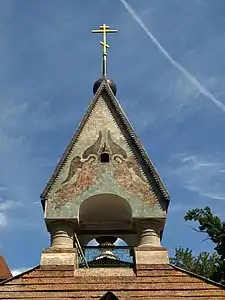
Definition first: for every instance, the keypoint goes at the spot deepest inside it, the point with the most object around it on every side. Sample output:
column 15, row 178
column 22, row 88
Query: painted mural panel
column 101, row 162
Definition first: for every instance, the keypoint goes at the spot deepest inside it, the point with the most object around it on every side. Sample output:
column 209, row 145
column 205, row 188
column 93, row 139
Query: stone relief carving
column 84, row 171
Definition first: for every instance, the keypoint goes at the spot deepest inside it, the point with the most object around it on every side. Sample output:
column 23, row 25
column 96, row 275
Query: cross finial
column 104, row 29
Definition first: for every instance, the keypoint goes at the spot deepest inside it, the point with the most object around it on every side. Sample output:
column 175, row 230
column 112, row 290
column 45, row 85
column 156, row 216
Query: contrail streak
column 190, row 77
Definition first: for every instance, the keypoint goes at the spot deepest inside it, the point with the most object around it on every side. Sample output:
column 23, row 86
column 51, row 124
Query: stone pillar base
column 151, row 255
column 59, row 257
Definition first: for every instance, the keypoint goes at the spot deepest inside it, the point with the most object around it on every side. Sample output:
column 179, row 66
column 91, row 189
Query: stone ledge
column 147, row 257
column 59, row 250
column 150, row 248
column 59, row 257
column 152, row 267
column 57, row 268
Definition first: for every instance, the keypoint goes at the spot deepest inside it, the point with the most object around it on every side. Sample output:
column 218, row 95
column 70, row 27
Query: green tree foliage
column 208, row 265
column 204, row 264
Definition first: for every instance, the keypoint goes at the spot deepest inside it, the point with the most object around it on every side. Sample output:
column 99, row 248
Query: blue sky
column 48, row 62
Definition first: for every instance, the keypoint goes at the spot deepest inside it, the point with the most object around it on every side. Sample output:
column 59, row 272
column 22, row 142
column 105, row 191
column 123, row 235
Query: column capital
column 149, row 232
column 62, row 233
column 148, row 224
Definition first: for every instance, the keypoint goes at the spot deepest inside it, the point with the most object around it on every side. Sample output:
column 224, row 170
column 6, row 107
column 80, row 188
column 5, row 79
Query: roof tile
column 5, row 272
column 158, row 282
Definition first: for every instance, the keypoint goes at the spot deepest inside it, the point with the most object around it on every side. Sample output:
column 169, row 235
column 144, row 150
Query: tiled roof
column 4, row 269
column 149, row 282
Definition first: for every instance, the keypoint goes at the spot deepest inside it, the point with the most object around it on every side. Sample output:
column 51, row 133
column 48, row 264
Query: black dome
column 109, row 81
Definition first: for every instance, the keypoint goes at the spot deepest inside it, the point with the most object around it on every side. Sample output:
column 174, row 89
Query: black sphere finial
column 109, row 81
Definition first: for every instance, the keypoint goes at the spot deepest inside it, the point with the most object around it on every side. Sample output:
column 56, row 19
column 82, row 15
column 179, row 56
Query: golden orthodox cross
column 104, row 29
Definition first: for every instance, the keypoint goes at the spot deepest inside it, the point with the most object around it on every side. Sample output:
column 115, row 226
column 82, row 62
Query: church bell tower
column 105, row 186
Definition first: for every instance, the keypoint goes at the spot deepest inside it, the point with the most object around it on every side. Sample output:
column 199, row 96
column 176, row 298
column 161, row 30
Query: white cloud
column 7, row 206
column 179, row 67
column 4, row 206
column 204, row 176
column 3, row 220
column 19, row 271
column 176, row 208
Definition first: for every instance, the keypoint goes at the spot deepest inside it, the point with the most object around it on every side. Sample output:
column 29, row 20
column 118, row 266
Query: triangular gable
column 138, row 149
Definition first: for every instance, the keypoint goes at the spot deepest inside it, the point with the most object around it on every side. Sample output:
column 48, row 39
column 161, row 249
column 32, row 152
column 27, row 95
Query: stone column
column 149, row 233
column 62, row 234
column 149, row 250
column 62, row 251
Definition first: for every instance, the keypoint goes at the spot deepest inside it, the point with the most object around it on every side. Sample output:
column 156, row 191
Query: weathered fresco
column 101, row 162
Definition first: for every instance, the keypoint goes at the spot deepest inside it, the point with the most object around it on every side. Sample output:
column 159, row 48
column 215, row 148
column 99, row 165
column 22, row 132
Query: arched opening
column 105, row 211
column 107, row 251
column 109, row 296
column 102, row 219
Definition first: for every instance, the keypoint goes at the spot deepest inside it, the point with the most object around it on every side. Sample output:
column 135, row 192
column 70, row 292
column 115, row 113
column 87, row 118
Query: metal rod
column 104, row 67
column 80, row 250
